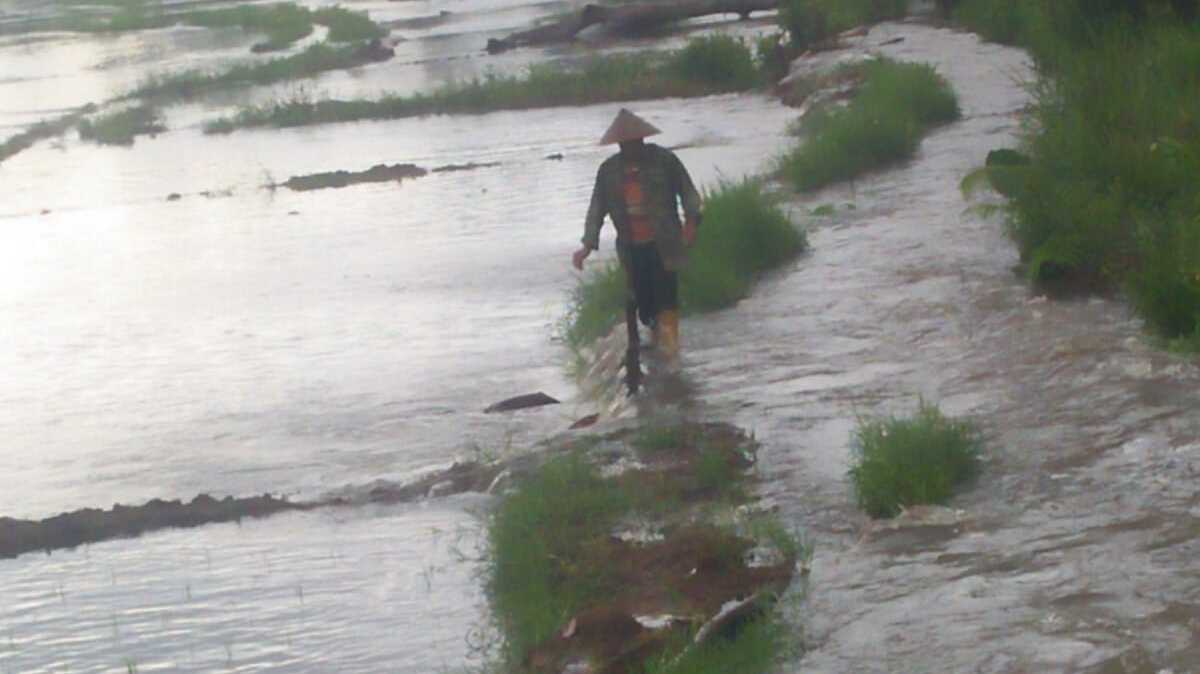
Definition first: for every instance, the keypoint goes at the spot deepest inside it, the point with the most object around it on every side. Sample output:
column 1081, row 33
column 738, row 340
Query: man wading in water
column 638, row 188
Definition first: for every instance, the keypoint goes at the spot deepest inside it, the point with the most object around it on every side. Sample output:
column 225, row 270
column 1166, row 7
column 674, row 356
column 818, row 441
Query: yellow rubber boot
column 668, row 334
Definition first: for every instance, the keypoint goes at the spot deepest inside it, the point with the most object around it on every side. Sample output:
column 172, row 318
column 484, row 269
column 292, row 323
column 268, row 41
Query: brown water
column 254, row 341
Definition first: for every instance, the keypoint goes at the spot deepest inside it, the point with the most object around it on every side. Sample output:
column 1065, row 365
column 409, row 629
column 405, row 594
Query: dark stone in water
column 557, row 156
column 522, row 402
column 174, row 196
column 589, row 420
column 376, row 174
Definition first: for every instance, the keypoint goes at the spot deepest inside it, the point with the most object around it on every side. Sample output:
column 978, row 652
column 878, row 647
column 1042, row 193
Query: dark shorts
column 653, row 287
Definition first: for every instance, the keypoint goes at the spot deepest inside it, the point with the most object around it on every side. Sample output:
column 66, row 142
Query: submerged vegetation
column 281, row 23
column 902, row 462
column 314, row 60
column 709, row 65
column 1109, row 198
column 895, row 107
column 122, row 126
column 744, row 233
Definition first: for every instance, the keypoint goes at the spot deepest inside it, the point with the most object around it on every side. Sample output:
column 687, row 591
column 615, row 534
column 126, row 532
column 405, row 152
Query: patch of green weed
column 901, row 462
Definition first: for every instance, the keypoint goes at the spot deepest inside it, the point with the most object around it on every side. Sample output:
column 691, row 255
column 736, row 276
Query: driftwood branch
column 629, row 19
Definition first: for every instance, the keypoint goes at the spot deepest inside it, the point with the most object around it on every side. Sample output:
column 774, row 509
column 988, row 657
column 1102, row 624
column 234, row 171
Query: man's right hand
column 579, row 256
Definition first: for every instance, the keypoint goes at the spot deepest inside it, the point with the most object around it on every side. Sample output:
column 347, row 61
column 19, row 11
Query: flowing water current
column 239, row 339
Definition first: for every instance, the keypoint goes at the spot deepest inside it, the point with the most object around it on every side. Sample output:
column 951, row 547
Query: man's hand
column 579, row 256
column 689, row 232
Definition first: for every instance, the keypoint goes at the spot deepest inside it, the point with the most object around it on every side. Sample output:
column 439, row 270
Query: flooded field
column 235, row 339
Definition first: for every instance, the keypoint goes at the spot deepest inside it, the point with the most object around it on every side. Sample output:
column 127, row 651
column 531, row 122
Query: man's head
column 628, row 130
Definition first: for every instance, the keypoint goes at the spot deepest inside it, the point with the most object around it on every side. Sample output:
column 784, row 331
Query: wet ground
column 248, row 340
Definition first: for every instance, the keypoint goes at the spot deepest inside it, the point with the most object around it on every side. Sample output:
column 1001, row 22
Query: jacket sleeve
column 688, row 196
column 596, row 212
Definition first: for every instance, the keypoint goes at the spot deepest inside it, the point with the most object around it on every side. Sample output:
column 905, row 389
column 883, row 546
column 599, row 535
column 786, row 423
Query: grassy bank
column 897, row 104
column 314, row 60
column 919, row 460
column 50, row 128
column 743, row 234
column 706, row 66
column 563, row 588
column 1110, row 199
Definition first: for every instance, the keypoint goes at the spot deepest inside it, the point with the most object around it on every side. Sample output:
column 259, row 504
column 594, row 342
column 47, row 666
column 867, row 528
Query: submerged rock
column 522, row 402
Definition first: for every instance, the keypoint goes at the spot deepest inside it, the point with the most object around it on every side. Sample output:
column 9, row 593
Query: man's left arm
column 688, row 197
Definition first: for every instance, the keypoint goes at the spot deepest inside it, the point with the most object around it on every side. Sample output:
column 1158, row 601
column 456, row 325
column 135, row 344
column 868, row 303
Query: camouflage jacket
column 664, row 181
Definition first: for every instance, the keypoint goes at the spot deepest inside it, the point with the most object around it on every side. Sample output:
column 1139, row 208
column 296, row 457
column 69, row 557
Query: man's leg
column 666, row 298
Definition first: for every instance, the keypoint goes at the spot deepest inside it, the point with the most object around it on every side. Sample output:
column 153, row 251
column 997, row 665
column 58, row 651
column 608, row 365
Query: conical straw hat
column 627, row 126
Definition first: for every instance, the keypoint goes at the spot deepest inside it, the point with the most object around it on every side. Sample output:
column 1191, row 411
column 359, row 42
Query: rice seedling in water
column 896, row 105
column 901, row 462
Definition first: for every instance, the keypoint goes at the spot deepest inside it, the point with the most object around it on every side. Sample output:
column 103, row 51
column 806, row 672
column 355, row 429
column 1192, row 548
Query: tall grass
column 901, row 462
column 896, row 105
column 707, row 66
column 1110, row 198
column 1006, row 22
column 752, row 650
column 744, row 233
column 538, row 538
column 812, row 22
column 282, row 23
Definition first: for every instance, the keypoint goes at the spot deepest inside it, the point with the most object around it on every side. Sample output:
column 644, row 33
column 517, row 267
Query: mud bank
column 89, row 525
column 380, row 173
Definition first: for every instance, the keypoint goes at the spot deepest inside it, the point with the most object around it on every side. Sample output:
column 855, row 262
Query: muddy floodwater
column 235, row 339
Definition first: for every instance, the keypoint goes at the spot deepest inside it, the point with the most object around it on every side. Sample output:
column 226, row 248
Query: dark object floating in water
column 174, row 196
column 895, row 40
column 557, row 156
column 379, row 173
column 522, row 402
column 469, row 166
column 589, row 420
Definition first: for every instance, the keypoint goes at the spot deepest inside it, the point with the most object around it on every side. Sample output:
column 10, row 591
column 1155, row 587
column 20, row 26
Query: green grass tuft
column 539, row 538
column 896, row 105
column 913, row 461
column 1006, row 22
column 282, row 23
column 348, row 26
column 744, row 233
column 121, row 127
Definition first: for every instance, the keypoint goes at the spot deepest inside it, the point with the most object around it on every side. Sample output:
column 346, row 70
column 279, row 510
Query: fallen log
column 631, row 19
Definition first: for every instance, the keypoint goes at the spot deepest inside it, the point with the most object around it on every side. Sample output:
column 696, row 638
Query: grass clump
column 744, row 233
column 347, row 26
column 912, row 461
column 539, row 538
column 122, row 126
column 692, row 71
column 812, row 22
column 896, row 105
